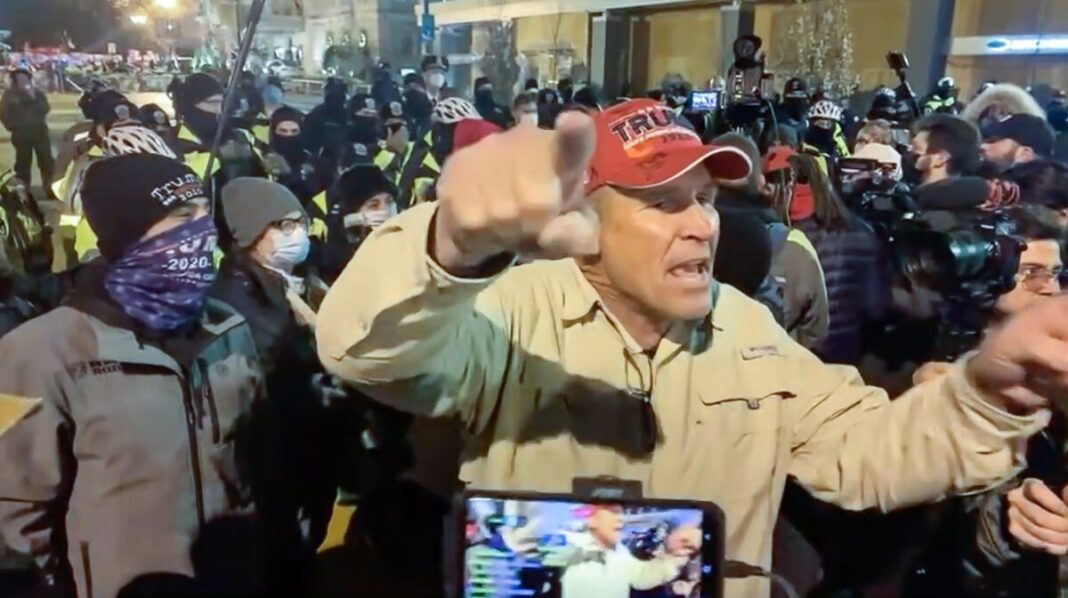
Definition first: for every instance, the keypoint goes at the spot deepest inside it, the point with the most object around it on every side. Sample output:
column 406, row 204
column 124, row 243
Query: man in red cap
column 625, row 358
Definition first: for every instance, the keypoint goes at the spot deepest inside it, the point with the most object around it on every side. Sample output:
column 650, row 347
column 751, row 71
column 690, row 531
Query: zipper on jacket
column 194, row 448
column 87, row 569
column 209, row 397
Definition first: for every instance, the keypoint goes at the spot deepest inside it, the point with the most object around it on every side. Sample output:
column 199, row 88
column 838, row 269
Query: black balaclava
column 484, row 94
column 442, row 140
column 334, row 93
column 365, row 127
column 822, row 139
column 290, row 148
column 197, row 88
column 795, row 100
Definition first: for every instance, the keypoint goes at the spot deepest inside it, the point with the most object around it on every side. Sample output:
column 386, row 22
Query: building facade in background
column 635, row 43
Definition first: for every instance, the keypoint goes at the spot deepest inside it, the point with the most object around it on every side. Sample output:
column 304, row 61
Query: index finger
column 1039, row 493
column 573, row 147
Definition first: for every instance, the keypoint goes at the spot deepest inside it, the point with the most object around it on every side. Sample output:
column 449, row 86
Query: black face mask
column 822, row 139
column 442, row 138
column 910, row 174
column 202, row 124
column 484, row 97
column 795, row 107
column 364, row 130
column 289, row 148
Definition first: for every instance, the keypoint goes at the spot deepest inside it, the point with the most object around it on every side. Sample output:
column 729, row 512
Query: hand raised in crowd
column 1023, row 365
column 1038, row 518
column 519, row 191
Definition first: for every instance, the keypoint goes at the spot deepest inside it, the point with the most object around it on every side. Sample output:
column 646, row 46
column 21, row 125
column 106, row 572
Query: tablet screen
column 570, row 549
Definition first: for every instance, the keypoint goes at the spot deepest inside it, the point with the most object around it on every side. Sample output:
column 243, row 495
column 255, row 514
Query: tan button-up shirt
column 551, row 387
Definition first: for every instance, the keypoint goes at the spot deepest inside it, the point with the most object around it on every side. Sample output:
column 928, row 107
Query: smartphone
column 563, row 546
column 704, row 101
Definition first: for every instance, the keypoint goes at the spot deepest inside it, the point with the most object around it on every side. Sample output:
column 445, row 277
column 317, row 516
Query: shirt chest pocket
column 738, row 411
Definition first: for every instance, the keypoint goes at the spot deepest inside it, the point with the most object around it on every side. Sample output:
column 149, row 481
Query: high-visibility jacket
column 317, row 216
column 417, row 170
column 196, row 158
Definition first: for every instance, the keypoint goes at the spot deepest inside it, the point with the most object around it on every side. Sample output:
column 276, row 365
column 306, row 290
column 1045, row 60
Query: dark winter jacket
column 289, row 491
column 856, row 288
column 20, row 111
column 134, row 462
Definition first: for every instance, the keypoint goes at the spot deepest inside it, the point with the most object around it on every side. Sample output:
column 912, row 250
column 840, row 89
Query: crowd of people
column 241, row 341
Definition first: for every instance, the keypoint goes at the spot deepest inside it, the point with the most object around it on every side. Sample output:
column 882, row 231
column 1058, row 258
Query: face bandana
column 162, row 281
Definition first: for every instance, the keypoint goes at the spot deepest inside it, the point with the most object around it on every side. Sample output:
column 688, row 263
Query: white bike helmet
column 453, row 110
column 826, row 109
column 135, row 139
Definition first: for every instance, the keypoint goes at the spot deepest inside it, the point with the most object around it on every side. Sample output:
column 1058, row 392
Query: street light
column 139, row 19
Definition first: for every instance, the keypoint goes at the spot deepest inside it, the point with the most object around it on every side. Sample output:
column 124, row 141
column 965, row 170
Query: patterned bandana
column 162, row 281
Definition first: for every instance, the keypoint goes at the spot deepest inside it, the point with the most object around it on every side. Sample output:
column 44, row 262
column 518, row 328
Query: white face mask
column 531, row 118
column 288, row 251
column 370, row 218
column 435, row 80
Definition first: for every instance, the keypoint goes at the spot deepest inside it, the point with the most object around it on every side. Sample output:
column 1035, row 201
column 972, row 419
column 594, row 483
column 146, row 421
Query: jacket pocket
column 87, row 568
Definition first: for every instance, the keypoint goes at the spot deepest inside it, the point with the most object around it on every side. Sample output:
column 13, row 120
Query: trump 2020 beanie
column 124, row 196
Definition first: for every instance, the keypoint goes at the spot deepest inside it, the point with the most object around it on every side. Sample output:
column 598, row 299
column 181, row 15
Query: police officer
column 406, row 161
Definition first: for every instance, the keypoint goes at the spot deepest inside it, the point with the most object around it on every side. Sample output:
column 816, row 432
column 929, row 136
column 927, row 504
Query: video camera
column 969, row 262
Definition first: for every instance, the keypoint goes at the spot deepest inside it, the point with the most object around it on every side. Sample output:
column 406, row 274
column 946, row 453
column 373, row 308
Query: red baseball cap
column 778, row 158
column 642, row 144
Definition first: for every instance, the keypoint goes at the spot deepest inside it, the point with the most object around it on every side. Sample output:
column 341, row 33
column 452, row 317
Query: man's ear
column 1024, row 154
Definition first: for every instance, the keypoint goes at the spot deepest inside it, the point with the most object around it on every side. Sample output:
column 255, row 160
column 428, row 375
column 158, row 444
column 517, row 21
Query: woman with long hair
column 847, row 248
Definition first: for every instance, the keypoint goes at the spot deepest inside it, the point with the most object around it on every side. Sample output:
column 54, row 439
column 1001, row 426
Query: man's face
column 606, row 526
column 1037, row 277
column 187, row 212
column 1005, row 153
column 926, row 162
column 657, row 245
column 287, row 128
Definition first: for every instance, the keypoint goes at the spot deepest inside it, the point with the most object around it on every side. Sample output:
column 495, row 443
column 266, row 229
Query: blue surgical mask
column 162, row 281
column 289, row 250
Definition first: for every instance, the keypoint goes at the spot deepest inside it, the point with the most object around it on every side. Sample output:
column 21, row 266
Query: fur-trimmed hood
column 1007, row 98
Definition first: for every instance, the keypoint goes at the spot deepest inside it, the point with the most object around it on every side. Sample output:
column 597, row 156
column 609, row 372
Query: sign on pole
column 427, row 32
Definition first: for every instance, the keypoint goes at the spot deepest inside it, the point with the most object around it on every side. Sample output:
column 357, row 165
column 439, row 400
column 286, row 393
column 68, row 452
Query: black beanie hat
column 359, row 184
column 197, row 88
column 286, row 114
column 124, row 196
